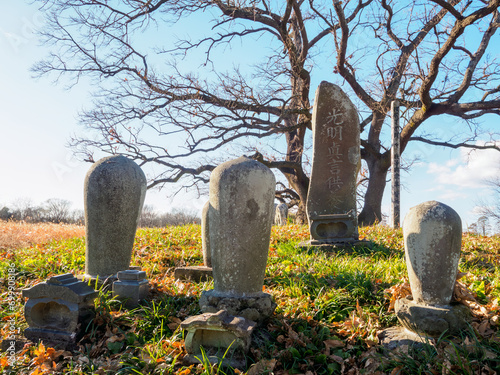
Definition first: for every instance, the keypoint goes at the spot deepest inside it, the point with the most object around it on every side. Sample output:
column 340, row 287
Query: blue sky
column 37, row 118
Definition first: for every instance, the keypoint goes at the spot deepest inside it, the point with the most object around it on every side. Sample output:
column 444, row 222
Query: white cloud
column 452, row 162
column 470, row 170
column 452, row 195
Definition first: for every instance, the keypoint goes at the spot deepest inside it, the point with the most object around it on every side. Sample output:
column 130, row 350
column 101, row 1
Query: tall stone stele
column 331, row 200
column 240, row 215
column 433, row 239
column 114, row 191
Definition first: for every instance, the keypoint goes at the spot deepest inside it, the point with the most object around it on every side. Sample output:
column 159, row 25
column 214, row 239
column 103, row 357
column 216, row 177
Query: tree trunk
column 296, row 177
column 372, row 209
column 301, row 187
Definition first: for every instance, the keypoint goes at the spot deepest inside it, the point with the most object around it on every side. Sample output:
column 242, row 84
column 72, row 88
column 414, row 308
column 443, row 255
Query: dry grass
column 15, row 235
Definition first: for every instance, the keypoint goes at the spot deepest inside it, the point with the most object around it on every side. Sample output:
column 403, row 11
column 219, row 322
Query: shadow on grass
column 373, row 249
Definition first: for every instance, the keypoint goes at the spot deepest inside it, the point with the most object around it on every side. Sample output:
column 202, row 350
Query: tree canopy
column 239, row 80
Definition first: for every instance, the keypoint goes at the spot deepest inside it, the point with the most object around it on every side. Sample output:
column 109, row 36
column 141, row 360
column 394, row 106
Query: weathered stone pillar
column 433, row 239
column 115, row 188
column 240, row 217
column 331, row 200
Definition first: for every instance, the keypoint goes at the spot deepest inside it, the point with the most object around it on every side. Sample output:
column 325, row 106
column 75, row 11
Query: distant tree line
column 59, row 211
column 151, row 218
column 53, row 210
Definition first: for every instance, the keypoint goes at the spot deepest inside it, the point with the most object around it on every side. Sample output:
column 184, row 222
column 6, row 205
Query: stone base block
column 222, row 336
column 394, row 338
column 431, row 320
column 257, row 308
column 195, row 273
column 131, row 286
column 55, row 339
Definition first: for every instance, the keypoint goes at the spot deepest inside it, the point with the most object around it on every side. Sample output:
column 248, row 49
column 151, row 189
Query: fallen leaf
column 397, row 292
column 396, row 370
column 336, row 358
column 334, row 343
column 263, row 366
column 116, row 338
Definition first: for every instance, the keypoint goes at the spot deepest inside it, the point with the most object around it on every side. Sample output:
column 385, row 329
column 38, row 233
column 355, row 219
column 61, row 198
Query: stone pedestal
column 131, row 286
column 240, row 216
column 115, row 188
column 222, row 336
column 433, row 239
column 256, row 308
column 58, row 310
column 431, row 320
column 393, row 339
column 331, row 200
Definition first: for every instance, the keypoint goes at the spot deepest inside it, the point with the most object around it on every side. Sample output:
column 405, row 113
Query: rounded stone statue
column 114, row 193
column 240, row 214
column 433, row 239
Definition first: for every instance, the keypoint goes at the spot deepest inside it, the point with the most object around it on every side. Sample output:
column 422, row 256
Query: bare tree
column 57, row 210
column 433, row 56
column 483, row 225
column 491, row 209
column 25, row 210
column 149, row 218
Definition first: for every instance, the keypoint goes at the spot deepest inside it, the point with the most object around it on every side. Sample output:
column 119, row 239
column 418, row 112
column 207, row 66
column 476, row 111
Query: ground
column 331, row 306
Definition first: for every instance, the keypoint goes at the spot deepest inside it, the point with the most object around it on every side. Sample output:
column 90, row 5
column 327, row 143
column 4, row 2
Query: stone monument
column 240, row 216
column 115, row 188
column 281, row 214
column 199, row 273
column 58, row 310
column 433, row 239
column 331, row 200
column 240, row 213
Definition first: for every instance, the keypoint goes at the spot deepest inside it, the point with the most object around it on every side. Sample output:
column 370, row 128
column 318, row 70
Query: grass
column 331, row 305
